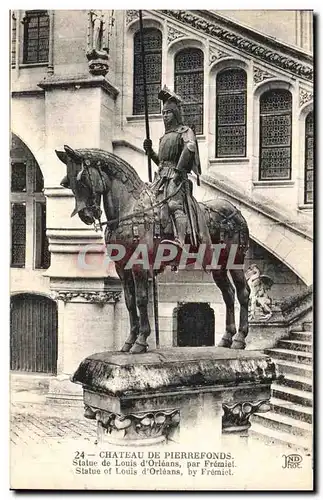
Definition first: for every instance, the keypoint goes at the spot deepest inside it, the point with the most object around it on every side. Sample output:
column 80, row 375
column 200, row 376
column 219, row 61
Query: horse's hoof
column 138, row 348
column 126, row 347
column 225, row 343
column 237, row 344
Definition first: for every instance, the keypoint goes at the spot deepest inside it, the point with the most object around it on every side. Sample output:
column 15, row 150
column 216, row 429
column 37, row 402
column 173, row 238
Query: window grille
column 18, row 234
column 18, row 177
column 36, row 37
column 231, row 113
column 309, row 158
column 153, row 66
column 275, row 135
column 189, row 85
column 28, row 209
column 42, row 254
column 13, row 39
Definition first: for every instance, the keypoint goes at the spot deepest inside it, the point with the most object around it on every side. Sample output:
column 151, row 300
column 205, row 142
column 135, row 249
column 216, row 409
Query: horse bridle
column 94, row 207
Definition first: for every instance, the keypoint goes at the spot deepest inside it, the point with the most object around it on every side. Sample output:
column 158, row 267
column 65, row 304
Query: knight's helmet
column 171, row 101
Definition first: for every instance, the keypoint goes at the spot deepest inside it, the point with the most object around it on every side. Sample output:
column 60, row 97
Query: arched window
column 28, row 210
column 309, row 158
column 153, row 66
column 275, row 135
column 36, row 37
column 231, row 113
column 189, row 85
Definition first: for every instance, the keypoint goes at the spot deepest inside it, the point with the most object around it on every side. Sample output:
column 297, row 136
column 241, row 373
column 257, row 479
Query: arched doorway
column 33, row 333
column 194, row 325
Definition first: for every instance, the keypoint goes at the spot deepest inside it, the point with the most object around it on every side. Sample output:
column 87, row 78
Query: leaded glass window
column 36, row 37
column 153, row 66
column 231, row 113
column 13, row 38
column 309, row 158
column 275, row 135
column 18, row 234
column 189, row 85
column 28, row 210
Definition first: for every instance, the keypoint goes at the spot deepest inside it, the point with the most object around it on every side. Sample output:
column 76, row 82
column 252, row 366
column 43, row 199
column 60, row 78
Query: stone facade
column 64, row 101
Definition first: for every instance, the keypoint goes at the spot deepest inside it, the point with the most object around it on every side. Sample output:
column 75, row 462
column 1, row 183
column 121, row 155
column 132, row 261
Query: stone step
column 290, row 355
column 293, row 410
column 293, row 395
column 272, row 436
column 303, row 336
column 295, row 345
column 307, row 326
column 284, row 423
column 290, row 367
column 297, row 381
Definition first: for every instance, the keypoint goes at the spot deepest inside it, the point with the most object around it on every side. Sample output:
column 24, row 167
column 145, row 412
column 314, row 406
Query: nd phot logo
column 292, row 461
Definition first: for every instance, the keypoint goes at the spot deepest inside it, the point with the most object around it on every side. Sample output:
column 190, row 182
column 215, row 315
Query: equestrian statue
column 163, row 212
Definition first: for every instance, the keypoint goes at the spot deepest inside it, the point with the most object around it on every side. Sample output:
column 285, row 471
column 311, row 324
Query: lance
column 154, row 279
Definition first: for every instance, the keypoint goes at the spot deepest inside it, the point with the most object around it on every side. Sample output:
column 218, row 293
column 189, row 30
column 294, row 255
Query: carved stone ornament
column 304, row 97
column 260, row 301
column 92, row 297
column 259, row 75
column 131, row 15
column 173, row 34
column 141, row 427
column 241, row 43
column 216, row 54
column 98, row 63
column 236, row 416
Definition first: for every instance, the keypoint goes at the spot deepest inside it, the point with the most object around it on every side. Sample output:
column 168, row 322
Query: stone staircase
column 290, row 418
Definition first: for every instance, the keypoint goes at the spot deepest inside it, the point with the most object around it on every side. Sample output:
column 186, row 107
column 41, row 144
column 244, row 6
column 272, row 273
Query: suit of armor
column 177, row 156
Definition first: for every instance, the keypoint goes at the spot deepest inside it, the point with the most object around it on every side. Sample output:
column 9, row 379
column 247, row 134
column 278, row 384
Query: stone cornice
column 252, row 43
column 59, row 82
column 93, row 297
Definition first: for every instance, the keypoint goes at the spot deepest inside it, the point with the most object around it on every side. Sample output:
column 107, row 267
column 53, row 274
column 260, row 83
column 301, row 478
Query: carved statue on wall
column 97, row 24
column 97, row 53
column 259, row 284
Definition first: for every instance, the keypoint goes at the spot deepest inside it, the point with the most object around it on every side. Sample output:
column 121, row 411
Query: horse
column 132, row 213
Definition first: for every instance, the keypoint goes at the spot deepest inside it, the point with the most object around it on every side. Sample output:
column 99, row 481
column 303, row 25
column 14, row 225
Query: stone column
column 79, row 112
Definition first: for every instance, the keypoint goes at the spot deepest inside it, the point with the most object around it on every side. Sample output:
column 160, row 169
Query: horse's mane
column 114, row 167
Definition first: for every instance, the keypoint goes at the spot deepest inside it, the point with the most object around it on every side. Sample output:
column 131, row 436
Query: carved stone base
column 98, row 62
column 236, row 416
column 174, row 394
column 140, row 429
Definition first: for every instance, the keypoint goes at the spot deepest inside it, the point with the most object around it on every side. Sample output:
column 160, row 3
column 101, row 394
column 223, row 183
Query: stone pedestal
column 182, row 394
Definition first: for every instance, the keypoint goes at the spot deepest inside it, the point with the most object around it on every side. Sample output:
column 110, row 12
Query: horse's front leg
column 142, row 294
column 243, row 293
column 130, row 299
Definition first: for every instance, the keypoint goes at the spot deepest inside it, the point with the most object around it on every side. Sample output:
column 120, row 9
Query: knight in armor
column 177, row 157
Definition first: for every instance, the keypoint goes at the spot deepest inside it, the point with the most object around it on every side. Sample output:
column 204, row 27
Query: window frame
column 245, row 123
column 29, row 198
column 273, row 113
column 29, row 15
column 308, row 136
column 135, row 84
column 180, row 93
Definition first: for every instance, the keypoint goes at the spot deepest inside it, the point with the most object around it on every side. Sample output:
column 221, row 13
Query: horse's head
column 87, row 182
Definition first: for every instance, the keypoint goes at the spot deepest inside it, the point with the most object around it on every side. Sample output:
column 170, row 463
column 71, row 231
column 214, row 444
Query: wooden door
column 33, row 335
